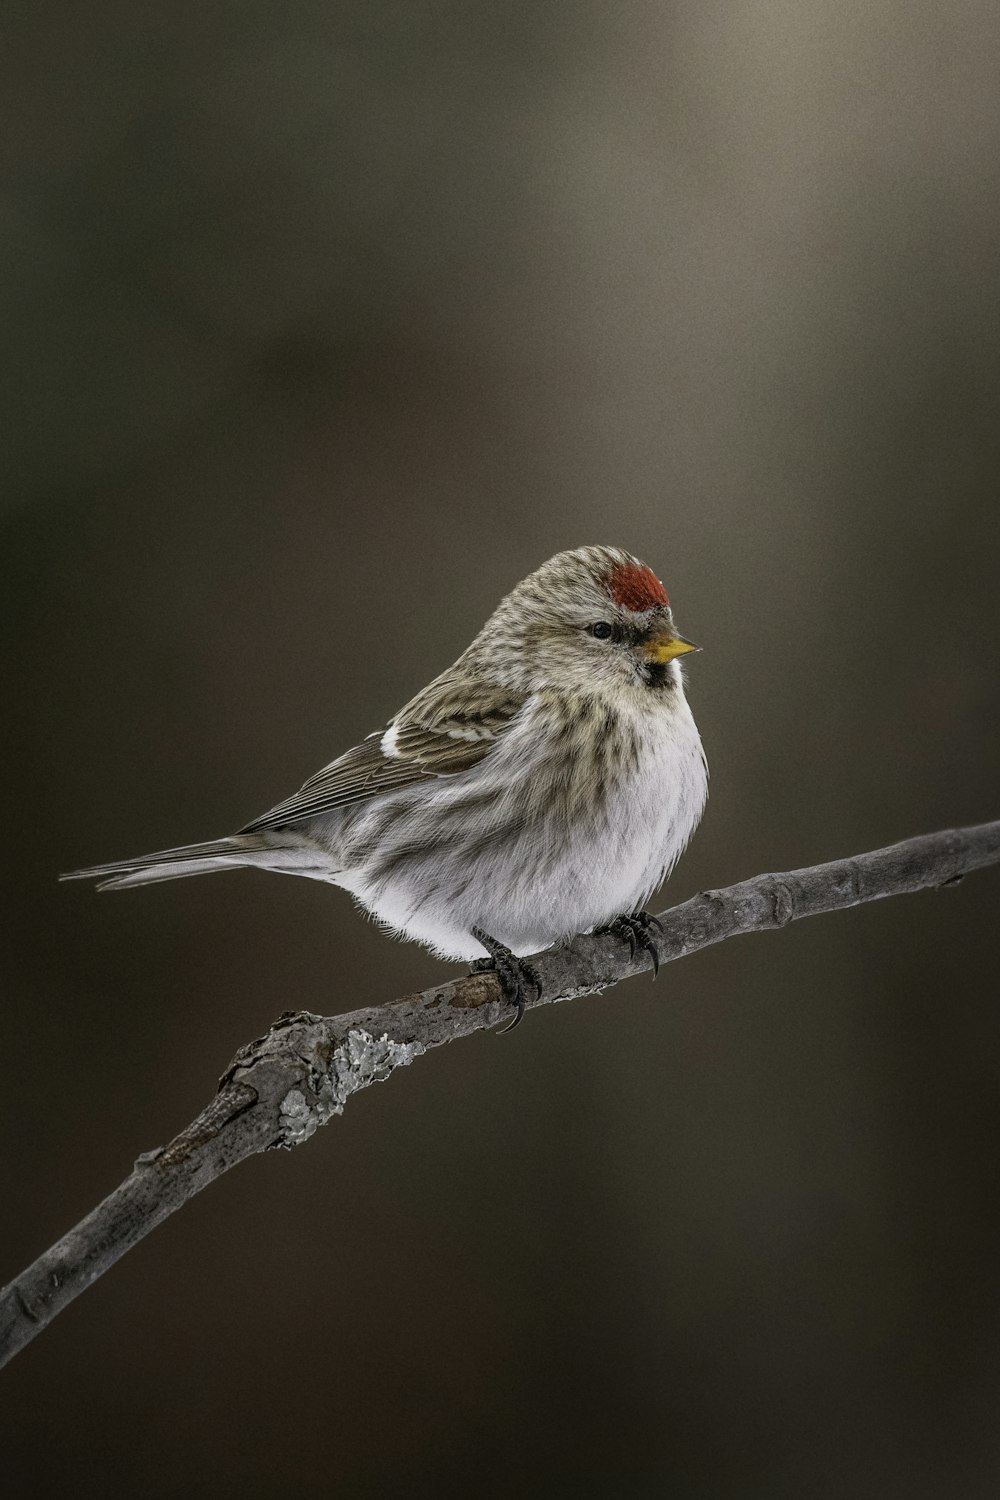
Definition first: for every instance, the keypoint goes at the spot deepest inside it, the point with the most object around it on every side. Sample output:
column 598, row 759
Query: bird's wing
column 448, row 728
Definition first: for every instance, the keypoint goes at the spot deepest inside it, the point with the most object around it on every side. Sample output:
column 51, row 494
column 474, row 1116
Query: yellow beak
column 666, row 648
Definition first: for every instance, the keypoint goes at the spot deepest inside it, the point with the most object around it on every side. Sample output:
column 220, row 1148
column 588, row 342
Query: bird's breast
column 572, row 820
column 613, row 795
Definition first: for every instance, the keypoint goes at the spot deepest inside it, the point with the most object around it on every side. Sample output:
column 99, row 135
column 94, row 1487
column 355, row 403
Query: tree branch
column 281, row 1088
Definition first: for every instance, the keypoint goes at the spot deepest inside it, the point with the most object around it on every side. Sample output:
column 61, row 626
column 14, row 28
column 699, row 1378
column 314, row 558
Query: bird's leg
column 512, row 972
column 635, row 929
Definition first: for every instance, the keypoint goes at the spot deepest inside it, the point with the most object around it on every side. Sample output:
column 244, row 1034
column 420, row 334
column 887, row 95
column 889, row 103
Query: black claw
column 634, row 929
column 512, row 972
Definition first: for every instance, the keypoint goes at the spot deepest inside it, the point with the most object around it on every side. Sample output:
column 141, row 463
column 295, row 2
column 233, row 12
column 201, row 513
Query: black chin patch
column 658, row 676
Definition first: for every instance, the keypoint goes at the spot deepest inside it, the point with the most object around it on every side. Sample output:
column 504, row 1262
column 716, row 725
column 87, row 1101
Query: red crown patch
column 636, row 588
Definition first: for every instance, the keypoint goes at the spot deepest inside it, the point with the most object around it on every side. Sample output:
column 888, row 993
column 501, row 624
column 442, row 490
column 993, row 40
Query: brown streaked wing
column 453, row 743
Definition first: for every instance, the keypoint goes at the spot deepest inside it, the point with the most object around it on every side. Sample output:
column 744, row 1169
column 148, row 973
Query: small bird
column 544, row 785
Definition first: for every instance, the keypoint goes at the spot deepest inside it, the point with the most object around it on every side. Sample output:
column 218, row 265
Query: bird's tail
column 189, row 859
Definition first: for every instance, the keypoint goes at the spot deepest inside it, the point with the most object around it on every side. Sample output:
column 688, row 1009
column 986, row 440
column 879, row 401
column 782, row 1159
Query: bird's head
column 594, row 618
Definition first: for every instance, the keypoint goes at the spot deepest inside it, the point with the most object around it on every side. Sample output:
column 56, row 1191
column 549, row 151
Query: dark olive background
column 323, row 325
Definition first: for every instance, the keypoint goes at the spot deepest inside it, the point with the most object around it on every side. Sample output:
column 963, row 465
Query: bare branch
column 279, row 1089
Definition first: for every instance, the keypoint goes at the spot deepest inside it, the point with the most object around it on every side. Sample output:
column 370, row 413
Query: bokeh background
column 323, row 325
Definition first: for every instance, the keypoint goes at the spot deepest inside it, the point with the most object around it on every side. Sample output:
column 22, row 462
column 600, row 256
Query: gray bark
column 282, row 1087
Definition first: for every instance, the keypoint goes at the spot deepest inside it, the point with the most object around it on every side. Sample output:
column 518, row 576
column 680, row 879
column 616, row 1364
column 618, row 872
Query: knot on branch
column 360, row 1060
column 784, row 903
column 232, row 1100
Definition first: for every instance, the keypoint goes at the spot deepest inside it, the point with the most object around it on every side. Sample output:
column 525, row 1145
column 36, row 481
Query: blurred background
column 322, row 326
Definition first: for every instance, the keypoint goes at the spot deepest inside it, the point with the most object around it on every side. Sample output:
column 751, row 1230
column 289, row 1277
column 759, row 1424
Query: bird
column 544, row 785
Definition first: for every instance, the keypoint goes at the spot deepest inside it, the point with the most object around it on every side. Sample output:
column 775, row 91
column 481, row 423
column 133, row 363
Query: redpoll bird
column 542, row 786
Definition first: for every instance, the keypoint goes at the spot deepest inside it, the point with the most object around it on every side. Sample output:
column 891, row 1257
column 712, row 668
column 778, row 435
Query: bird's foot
column 513, row 973
column 636, row 929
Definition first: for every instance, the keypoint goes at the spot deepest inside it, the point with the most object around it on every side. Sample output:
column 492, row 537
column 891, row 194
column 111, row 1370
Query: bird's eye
column 602, row 630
